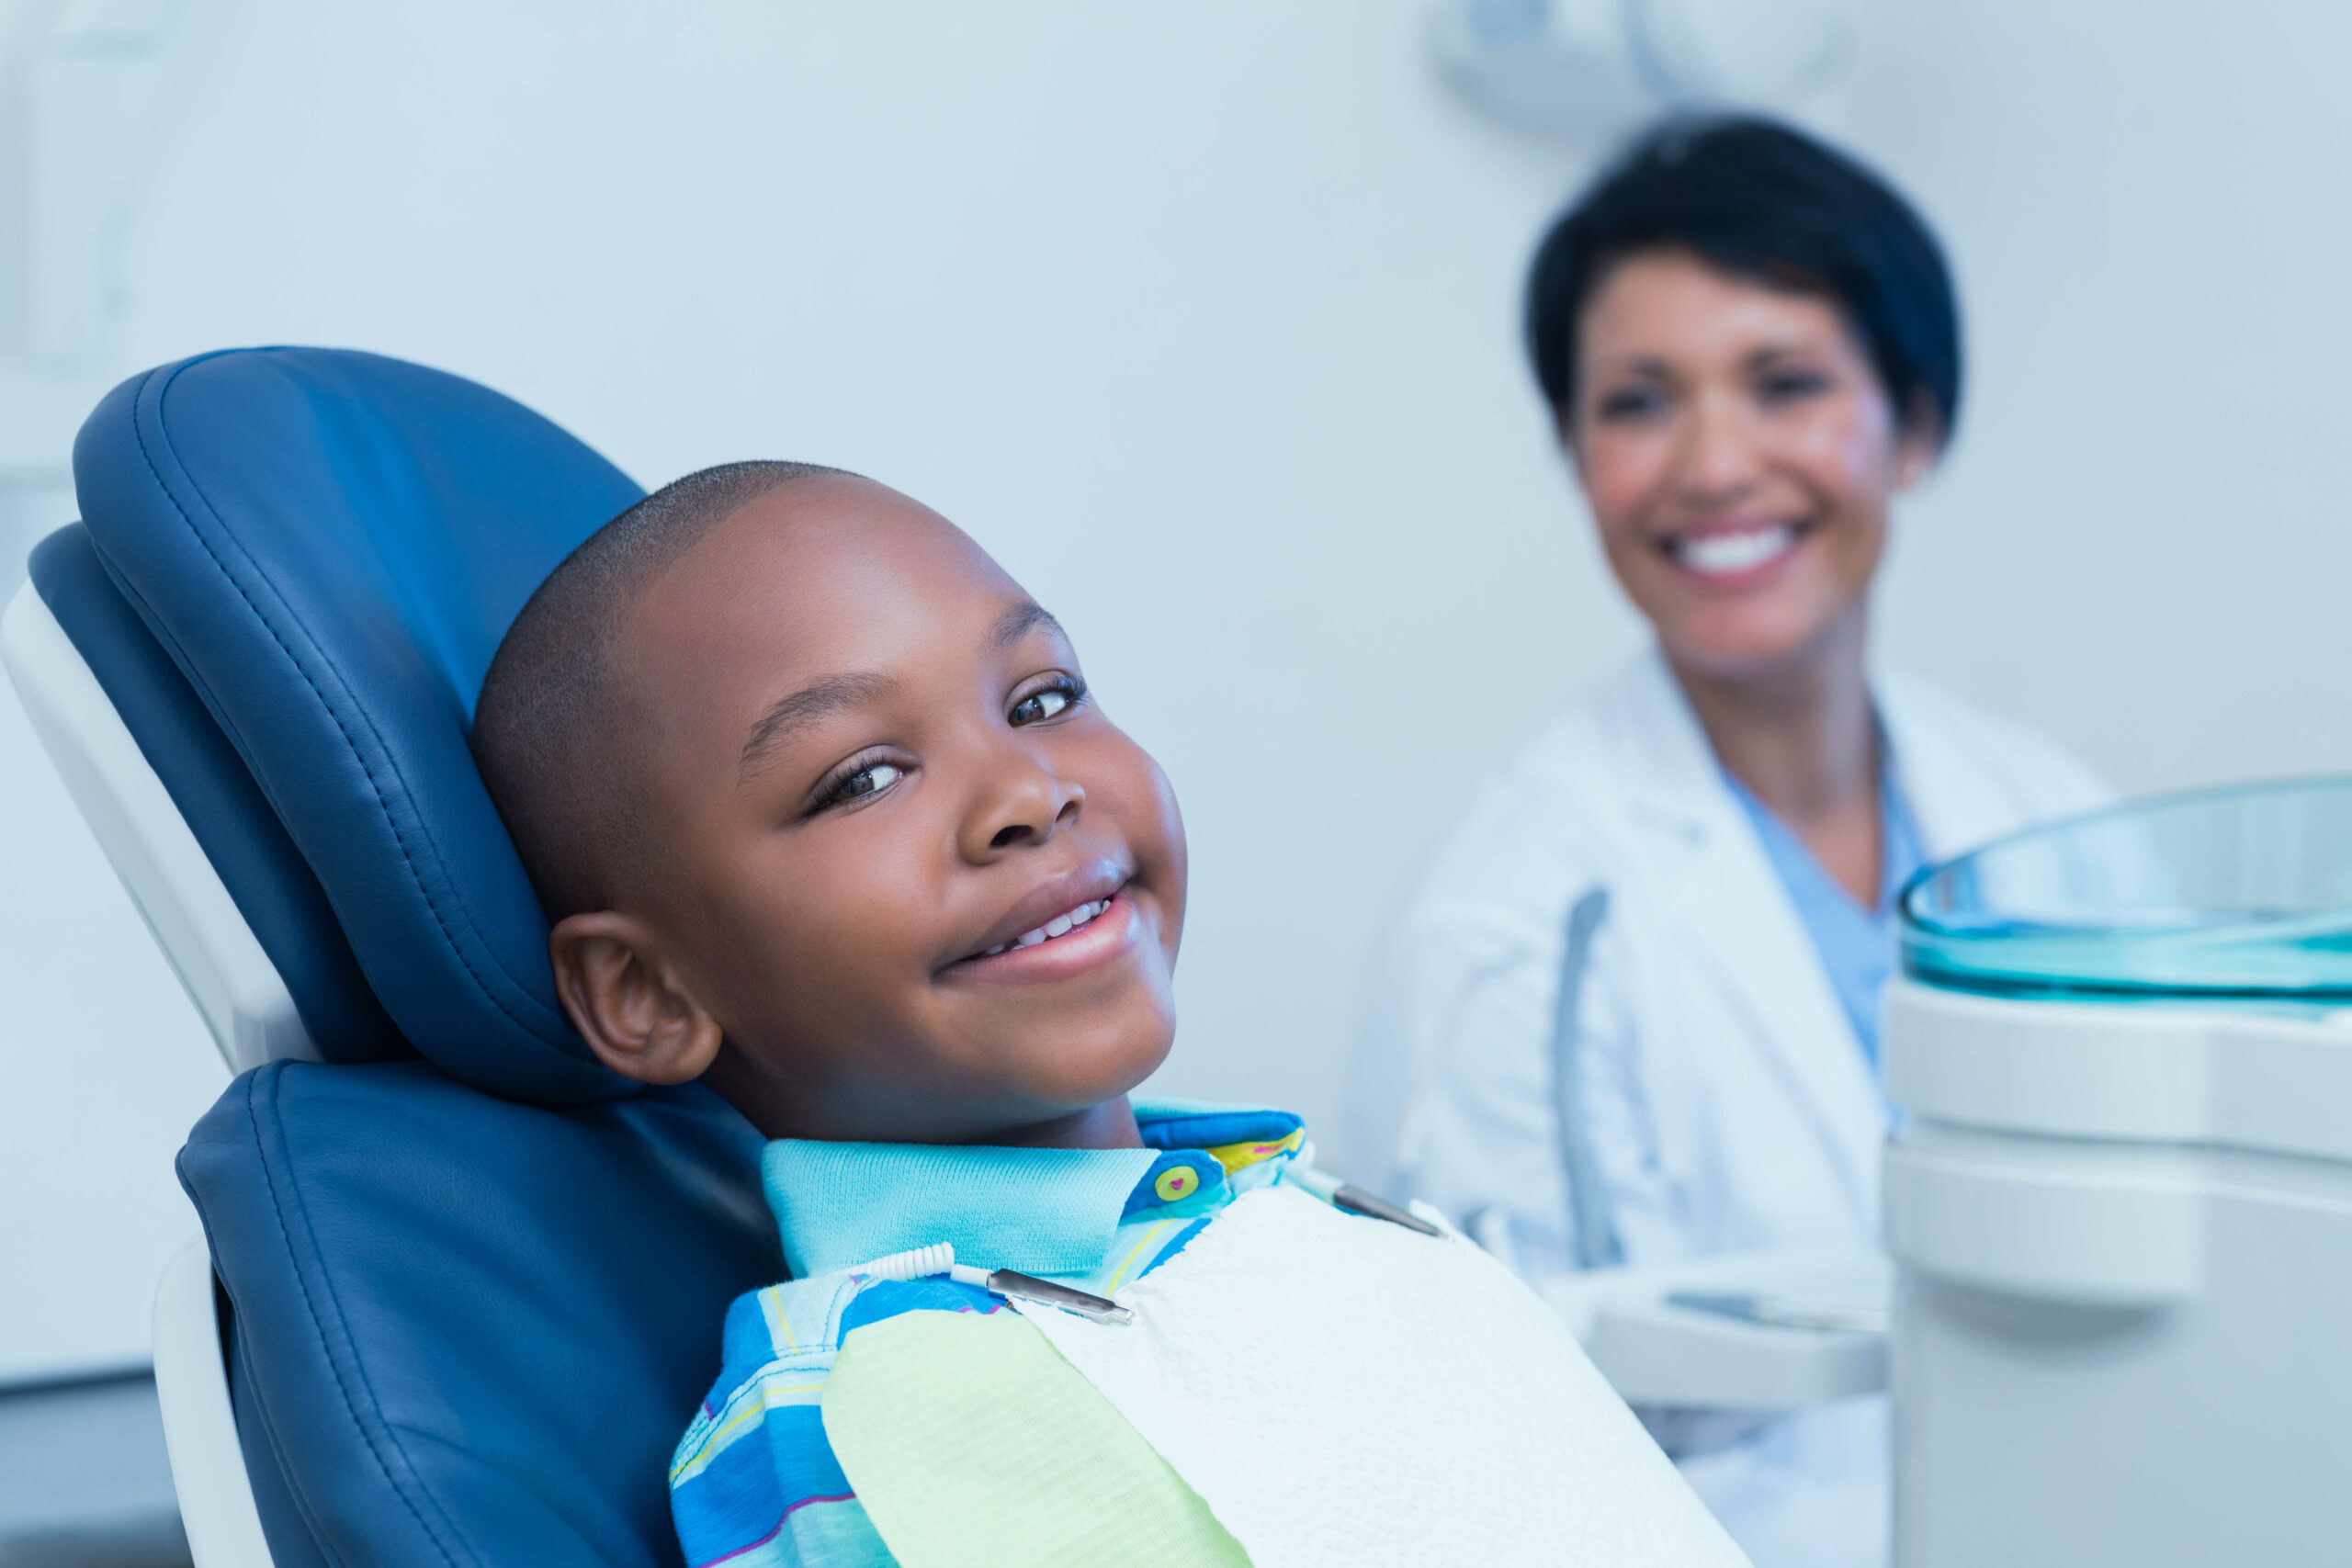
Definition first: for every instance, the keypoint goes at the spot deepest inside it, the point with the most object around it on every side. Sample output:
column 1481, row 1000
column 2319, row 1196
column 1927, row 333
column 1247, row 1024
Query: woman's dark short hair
column 1768, row 202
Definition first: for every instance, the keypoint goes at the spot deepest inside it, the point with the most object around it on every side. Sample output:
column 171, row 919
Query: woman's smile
column 1739, row 455
column 1735, row 555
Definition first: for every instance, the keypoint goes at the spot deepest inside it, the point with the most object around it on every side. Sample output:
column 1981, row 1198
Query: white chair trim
column 186, row 904
column 199, row 1425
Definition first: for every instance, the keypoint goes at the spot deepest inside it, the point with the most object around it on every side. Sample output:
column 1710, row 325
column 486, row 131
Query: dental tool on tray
column 1783, row 1312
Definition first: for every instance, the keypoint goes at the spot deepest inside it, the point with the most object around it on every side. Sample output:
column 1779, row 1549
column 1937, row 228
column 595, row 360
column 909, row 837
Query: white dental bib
column 1339, row 1390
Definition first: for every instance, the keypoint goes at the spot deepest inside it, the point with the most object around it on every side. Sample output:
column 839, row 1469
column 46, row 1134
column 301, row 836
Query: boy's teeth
column 1727, row 553
column 1060, row 925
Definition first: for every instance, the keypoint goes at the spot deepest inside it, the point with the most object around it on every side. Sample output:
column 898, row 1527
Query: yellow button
column 1176, row 1181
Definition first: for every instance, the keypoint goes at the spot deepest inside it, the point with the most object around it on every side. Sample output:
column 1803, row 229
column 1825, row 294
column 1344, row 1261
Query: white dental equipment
column 2120, row 1208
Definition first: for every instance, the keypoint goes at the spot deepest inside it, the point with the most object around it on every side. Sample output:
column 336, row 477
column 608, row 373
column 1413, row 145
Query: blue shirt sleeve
column 754, row 1484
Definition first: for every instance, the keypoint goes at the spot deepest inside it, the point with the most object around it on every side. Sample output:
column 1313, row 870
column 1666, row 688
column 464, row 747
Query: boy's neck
column 1110, row 1126
column 758, row 1095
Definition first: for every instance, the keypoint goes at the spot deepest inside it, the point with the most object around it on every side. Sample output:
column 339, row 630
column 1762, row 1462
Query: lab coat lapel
column 1747, row 932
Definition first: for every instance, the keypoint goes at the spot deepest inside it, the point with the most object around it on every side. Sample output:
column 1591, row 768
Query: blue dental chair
column 461, row 1288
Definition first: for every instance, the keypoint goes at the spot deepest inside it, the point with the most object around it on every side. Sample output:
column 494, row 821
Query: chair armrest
column 1656, row 1353
column 200, row 1427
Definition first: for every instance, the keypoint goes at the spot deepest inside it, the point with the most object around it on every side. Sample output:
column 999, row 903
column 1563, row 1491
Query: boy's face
column 877, row 777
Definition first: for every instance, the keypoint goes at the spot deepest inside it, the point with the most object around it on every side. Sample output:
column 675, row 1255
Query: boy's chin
column 1087, row 1074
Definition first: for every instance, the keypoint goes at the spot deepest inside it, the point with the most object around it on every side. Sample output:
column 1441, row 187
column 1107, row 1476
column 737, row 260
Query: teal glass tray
column 2244, row 892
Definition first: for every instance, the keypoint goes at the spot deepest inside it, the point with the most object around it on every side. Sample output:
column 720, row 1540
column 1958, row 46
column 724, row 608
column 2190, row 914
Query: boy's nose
column 1026, row 809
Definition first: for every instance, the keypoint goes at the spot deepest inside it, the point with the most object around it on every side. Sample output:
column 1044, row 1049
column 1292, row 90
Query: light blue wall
column 1201, row 318
column 2145, row 540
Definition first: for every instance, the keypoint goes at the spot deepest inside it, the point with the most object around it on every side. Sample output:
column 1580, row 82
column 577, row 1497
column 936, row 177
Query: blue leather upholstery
column 329, row 546
column 464, row 1330
column 240, row 834
column 467, row 1331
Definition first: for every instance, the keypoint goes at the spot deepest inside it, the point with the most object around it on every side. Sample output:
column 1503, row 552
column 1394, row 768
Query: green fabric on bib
column 972, row 1443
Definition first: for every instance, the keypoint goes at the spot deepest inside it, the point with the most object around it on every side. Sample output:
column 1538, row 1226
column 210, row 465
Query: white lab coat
column 1728, row 1102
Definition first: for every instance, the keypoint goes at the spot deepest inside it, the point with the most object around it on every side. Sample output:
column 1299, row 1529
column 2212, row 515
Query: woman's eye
column 1790, row 386
column 871, row 779
column 1051, row 703
column 1622, row 404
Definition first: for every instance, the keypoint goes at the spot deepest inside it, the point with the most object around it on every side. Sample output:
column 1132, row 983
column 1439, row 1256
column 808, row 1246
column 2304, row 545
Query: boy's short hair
column 1765, row 201
column 551, row 728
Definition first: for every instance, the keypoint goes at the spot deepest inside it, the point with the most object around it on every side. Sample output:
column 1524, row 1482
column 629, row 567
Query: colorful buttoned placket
column 1177, row 1177
column 756, row 1482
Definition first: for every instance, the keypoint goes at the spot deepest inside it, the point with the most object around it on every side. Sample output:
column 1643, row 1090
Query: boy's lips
column 1082, row 945
column 1062, row 925
column 1052, row 911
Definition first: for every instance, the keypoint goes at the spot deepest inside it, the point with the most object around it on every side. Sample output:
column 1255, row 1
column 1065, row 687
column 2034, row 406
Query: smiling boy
column 823, row 813
column 802, row 776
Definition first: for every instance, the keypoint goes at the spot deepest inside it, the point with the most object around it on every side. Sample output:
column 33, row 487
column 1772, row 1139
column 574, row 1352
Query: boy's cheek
column 788, row 967
column 1128, row 783
column 1164, row 848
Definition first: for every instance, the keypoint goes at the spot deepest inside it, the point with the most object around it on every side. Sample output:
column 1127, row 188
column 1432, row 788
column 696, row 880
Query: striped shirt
column 755, row 1482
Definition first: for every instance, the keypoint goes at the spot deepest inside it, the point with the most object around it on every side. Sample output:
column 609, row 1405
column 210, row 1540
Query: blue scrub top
column 1857, row 945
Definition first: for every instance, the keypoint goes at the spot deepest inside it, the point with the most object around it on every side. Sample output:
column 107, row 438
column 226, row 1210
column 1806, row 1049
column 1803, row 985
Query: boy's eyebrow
column 806, row 706
column 1020, row 621
column 820, row 699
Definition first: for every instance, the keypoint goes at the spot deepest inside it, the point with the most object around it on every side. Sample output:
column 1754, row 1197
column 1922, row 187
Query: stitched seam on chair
column 318, row 1328
column 425, row 1435
column 302, row 1503
column 376, row 789
column 307, row 1513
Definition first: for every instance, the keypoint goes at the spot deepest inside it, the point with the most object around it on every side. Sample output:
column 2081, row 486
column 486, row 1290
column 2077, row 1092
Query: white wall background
column 1203, row 319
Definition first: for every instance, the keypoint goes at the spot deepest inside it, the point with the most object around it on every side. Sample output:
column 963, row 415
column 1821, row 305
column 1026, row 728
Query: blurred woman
column 1631, row 1015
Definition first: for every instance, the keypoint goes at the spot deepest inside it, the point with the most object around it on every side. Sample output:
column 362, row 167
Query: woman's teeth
column 1722, row 555
column 1060, row 925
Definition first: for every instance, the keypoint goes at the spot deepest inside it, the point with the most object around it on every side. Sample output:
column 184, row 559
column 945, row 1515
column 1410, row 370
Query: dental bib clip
column 925, row 1262
column 1352, row 1199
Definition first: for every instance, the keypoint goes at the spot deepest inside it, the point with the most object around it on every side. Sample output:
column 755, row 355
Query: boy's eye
column 1051, row 703
column 1041, row 705
column 871, row 779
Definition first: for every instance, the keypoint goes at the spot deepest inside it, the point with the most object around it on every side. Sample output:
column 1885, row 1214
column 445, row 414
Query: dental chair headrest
column 329, row 546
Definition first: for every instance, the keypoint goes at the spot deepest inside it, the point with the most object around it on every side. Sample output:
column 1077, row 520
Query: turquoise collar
column 1045, row 1211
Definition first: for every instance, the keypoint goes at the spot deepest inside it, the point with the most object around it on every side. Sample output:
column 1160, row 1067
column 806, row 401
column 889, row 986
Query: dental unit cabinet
column 2119, row 1197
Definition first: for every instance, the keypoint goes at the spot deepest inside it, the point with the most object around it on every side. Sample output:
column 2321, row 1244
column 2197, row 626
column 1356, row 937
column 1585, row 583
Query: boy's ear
column 624, row 998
